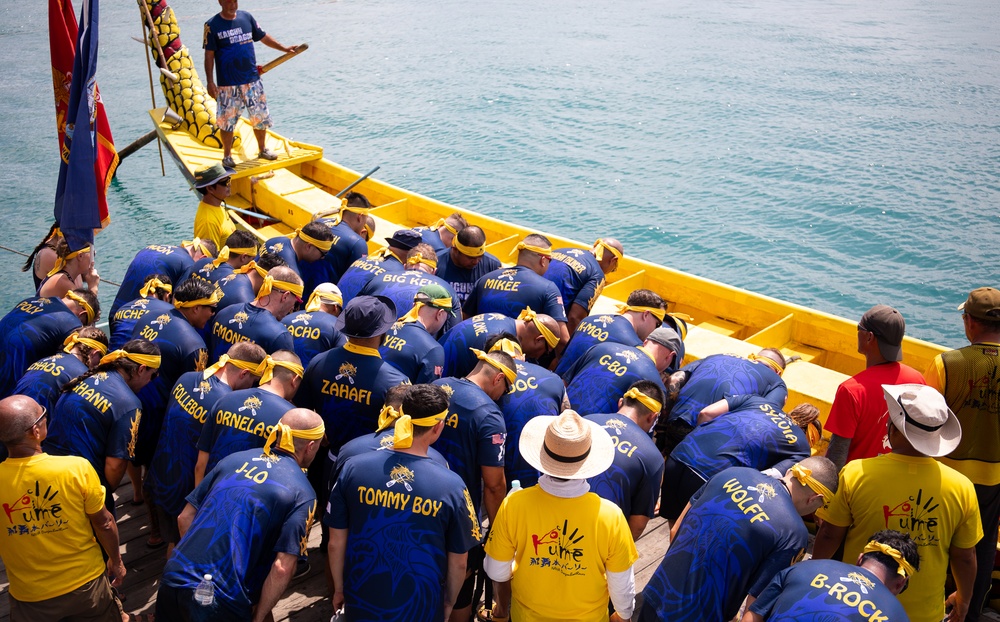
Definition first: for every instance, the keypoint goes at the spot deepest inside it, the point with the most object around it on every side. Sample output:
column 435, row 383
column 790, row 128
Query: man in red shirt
column 858, row 416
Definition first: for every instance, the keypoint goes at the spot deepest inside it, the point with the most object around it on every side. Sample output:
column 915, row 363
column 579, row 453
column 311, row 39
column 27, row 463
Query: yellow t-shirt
column 561, row 549
column 918, row 495
column 48, row 543
column 213, row 223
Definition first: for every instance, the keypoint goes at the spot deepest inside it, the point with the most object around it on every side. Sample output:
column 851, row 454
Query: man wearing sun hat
column 556, row 550
column 907, row 490
column 211, row 222
column 969, row 380
column 409, row 345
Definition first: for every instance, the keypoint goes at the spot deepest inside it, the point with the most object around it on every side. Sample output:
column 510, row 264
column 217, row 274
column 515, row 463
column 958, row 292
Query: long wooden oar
column 340, row 194
column 286, row 56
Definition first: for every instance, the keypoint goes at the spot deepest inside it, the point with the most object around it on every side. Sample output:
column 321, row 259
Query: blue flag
column 77, row 208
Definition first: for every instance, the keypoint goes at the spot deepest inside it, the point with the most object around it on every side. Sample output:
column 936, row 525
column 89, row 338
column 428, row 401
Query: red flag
column 62, row 42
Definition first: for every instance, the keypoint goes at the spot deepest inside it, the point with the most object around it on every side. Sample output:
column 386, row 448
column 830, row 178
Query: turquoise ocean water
column 833, row 153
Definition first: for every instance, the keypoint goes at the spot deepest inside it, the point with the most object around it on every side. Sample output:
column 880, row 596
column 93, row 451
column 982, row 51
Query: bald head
column 608, row 260
column 17, row 414
column 303, row 419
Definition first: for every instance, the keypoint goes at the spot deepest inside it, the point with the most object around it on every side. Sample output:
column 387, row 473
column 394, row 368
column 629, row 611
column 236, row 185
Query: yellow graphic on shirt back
column 161, row 320
column 201, row 361
column 347, row 371
column 134, row 433
column 99, row 377
column 476, row 533
column 400, row 475
column 765, row 491
column 303, row 317
column 448, row 390
column 864, row 583
column 276, row 248
column 203, row 387
column 239, row 318
column 617, row 425
column 252, row 403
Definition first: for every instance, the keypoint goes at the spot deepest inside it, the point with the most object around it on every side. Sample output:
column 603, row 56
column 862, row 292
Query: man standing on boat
column 229, row 54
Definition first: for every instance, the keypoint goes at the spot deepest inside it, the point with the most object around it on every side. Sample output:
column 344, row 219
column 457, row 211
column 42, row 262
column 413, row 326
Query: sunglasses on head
column 39, row 420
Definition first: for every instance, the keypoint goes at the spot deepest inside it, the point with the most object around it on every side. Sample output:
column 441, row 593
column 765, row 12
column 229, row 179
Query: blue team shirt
column 474, row 433
column 347, row 388
column 413, row 351
column 472, row 333
column 204, row 270
column 537, row 391
column 716, row 376
column 99, row 418
column 379, row 441
column 247, row 322
column 511, row 290
column 463, row 281
column 595, row 329
column 401, row 288
column 232, row 41
column 578, row 275
column 632, row 482
column 818, row 590
column 128, row 315
column 236, row 289
column 282, row 247
column 347, row 248
column 171, row 473
column 404, row 514
column 45, row 378
column 173, row 261
column 250, row 508
column 240, row 421
column 430, row 235
column 757, row 435
column 33, row 329
column 313, row 333
column 363, row 270
column 740, row 530
column 598, row 379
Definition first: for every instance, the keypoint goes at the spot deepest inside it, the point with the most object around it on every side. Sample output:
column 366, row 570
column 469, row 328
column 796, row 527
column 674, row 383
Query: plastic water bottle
column 204, row 594
column 515, row 485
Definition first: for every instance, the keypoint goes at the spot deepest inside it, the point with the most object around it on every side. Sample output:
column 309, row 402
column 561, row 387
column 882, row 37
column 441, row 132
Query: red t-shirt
column 859, row 411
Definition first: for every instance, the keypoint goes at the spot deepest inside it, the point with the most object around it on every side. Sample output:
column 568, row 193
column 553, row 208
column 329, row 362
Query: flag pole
column 152, row 92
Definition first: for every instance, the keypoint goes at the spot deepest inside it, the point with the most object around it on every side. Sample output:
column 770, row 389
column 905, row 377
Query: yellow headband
column 442, row 223
column 270, row 283
column 152, row 285
column 74, row 339
column 510, row 347
column 659, row 313
column 252, row 265
column 402, row 436
column 469, row 251
column 78, row 299
column 521, row 246
column 222, row 258
column 267, row 369
column 208, row 302
column 903, row 569
column 288, row 436
column 322, row 245
column 600, row 246
column 149, row 360
column 254, row 368
column 418, row 258
column 370, row 229
column 318, row 298
column 767, row 361
column 62, row 261
column 197, row 243
column 387, row 416
column 644, row 399
column 530, row 316
column 249, row 250
column 507, row 371
column 805, row 478
column 357, row 209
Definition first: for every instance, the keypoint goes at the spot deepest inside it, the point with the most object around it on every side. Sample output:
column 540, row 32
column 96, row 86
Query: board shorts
column 232, row 100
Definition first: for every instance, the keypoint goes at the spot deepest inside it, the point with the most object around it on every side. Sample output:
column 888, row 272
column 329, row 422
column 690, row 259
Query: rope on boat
column 17, row 252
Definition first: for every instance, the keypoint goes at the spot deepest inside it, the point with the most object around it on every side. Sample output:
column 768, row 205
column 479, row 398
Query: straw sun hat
column 567, row 446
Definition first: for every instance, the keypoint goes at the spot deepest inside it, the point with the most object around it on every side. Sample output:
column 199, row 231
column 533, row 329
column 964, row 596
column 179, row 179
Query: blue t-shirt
column 379, row 441
column 173, row 261
column 250, row 508
column 232, row 41
column 632, row 482
column 347, row 388
column 247, row 322
column 474, row 433
column 410, row 348
column 819, row 590
column 282, row 247
column 99, row 418
column 404, row 514
column 239, row 421
column 578, row 275
column 740, row 530
column 313, row 332
column 430, row 235
column 45, row 378
column 204, row 270
column 599, row 378
column 595, row 329
column 471, row 333
column 401, row 288
column 719, row 375
column 347, row 248
column 537, row 391
column 128, row 315
column 171, row 473
column 461, row 280
column 757, row 435
column 236, row 289
column 361, row 271
column 33, row 329
column 511, row 290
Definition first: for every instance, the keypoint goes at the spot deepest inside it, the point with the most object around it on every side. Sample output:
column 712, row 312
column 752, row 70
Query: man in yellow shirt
column 211, row 222
column 557, row 549
column 55, row 508
column 907, row 490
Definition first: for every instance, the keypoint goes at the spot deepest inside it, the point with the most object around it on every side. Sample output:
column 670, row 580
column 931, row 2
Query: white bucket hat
column 923, row 417
column 567, row 446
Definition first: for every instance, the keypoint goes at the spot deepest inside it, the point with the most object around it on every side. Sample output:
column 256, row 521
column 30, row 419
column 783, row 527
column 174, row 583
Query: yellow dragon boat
column 301, row 183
